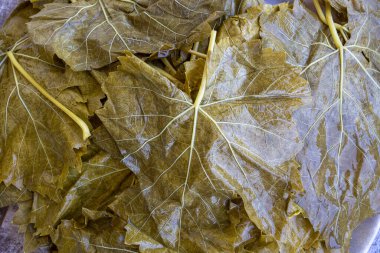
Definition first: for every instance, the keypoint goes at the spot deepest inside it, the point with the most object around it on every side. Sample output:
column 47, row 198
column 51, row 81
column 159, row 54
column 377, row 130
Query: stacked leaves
column 257, row 143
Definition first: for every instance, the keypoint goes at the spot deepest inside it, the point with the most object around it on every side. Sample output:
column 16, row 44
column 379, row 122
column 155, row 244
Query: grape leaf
column 340, row 159
column 236, row 230
column 102, row 235
column 22, row 217
column 280, row 31
column 191, row 157
column 105, row 142
column 36, row 244
column 92, row 34
column 40, row 3
column 92, row 189
column 39, row 142
column 198, row 238
column 193, row 77
column 10, row 195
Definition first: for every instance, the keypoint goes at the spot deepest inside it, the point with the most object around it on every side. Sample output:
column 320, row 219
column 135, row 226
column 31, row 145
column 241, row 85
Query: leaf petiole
column 338, row 43
column 332, row 27
column 323, row 18
column 195, row 49
column 196, row 53
column 85, row 130
column 170, row 67
column 202, row 87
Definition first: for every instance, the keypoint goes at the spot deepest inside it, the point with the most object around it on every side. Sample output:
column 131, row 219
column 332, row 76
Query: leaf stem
column 169, row 76
column 196, row 53
column 323, row 18
column 343, row 34
column 338, row 43
column 195, row 49
column 170, row 67
column 330, row 23
column 202, row 87
column 85, row 130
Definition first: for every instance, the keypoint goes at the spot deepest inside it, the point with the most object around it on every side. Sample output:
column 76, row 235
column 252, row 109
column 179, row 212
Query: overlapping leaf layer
column 262, row 138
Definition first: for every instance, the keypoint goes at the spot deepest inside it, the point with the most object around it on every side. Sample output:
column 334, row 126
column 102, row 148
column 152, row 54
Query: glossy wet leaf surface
column 91, row 34
column 186, row 155
column 38, row 142
column 255, row 144
column 92, row 189
column 103, row 235
column 340, row 158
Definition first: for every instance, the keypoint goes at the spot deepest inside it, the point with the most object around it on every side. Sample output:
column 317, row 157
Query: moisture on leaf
column 94, row 189
column 10, row 195
column 191, row 156
column 126, row 127
column 340, row 128
column 91, row 34
column 39, row 142
column 102, row 235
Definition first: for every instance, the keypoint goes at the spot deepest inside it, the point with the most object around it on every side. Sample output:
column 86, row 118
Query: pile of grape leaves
column 190, row 126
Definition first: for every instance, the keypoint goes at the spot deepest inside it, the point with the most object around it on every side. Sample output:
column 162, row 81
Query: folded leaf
column 92, row 189
column 104, row 141
column 104, row 235
column 10, row 195
column 92, row 34
column 36, row 244
column 193, row 76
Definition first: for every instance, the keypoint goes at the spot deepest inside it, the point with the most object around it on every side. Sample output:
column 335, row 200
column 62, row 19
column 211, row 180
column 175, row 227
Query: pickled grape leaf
column 340, row 161
column 22, row 218
column 36, row 244
column 232, row 233
column 105, row 142
column 190, row 157
column 92, row 189
column 38, row 141
column 193, row 76
column 40, row 3
column 280, row 31
column 143, row 231
column 146, row 244
column 10, row 195
column 91, row 34
column 101, row 235
column 262, row 138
